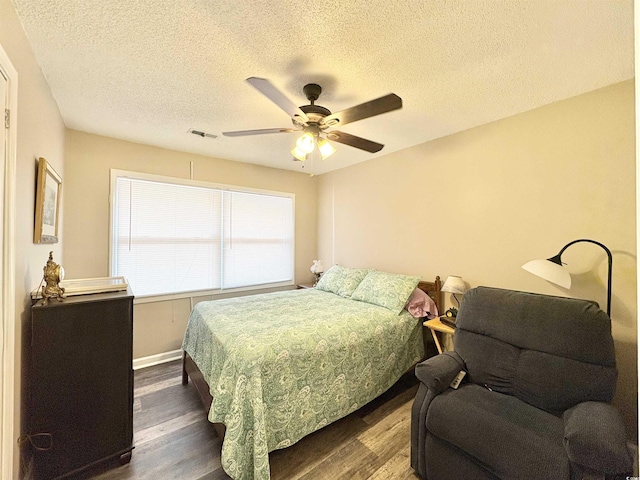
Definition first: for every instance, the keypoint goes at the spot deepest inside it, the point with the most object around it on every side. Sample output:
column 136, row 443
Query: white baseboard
column 157, row 359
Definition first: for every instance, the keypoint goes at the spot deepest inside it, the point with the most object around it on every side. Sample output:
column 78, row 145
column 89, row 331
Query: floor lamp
column 551, row 269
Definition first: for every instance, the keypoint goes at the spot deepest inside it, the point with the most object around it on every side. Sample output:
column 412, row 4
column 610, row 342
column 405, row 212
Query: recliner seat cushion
column 505, row 435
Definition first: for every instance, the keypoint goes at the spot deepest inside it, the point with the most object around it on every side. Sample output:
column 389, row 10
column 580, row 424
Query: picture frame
column 48, row 195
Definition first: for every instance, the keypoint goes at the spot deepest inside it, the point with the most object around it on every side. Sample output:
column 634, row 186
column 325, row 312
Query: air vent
column 202, row 134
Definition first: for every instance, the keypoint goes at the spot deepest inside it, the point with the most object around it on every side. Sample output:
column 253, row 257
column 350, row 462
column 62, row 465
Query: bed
column 272, row 368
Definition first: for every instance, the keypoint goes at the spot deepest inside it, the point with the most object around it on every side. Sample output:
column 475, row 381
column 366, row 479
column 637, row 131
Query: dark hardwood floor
column 174, row 439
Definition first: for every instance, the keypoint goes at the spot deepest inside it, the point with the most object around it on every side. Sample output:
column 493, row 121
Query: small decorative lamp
column 551, row 269
column 317, row 268
column 455, row 285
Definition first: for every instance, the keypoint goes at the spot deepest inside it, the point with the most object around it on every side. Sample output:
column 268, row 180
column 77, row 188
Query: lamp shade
column 550, row 271
column 299, row 154
column 454, row 284
column 317, row 267
column 326, row 149
column 306, row 143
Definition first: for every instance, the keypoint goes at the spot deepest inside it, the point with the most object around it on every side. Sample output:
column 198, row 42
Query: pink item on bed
column 421, row 305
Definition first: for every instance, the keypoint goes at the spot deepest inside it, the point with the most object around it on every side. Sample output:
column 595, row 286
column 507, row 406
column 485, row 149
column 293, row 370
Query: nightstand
column 435, row 325
column 305, row 285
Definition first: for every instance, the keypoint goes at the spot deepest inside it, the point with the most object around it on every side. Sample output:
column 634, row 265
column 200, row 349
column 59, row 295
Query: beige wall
column 159, row 327
column 40, row 133
column 483, row 202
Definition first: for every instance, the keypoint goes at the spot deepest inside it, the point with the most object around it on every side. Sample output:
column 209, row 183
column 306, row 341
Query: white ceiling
column 149, row 70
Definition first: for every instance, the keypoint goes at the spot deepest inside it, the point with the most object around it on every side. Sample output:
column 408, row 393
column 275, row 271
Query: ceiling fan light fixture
column 306, row 143
column 326, row 149
column 299, row 154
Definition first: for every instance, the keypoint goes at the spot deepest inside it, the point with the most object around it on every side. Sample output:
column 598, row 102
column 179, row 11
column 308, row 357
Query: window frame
column 117, row 173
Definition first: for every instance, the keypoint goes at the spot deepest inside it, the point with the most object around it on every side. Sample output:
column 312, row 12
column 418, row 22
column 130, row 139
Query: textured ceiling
column 149, row 70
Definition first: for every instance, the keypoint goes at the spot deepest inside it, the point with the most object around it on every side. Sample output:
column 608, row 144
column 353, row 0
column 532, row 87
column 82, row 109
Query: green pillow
column 341, row 280
column 387, row 290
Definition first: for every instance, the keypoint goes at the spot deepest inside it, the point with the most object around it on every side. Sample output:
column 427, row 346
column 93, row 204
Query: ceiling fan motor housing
column 315, row 112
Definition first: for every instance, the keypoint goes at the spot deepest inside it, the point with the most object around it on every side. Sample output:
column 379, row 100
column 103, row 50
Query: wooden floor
column 174, row 440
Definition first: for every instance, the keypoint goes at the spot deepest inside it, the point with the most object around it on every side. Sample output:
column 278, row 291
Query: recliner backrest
column 551, row 352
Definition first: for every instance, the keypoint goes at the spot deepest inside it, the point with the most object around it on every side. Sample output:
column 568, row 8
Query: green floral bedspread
column 282, row 365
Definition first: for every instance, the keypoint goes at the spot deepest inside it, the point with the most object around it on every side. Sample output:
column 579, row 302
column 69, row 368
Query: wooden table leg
column 436, row 340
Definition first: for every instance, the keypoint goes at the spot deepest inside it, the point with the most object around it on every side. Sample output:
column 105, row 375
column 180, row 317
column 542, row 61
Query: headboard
column 433, row 289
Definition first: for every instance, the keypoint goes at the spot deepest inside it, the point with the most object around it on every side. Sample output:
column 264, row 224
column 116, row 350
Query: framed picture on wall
column 48, row 190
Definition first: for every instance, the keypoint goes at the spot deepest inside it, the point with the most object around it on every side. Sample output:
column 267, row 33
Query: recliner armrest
column 439, row 371
column 594, row 437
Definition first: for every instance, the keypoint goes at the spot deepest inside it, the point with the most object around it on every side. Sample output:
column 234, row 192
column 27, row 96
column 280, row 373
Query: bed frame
column 191, row 371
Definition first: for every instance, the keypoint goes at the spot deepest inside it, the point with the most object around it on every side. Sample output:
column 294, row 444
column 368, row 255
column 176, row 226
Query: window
column 172, row 235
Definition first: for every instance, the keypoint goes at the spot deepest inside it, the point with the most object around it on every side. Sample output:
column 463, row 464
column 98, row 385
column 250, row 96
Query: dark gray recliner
column 534, row 404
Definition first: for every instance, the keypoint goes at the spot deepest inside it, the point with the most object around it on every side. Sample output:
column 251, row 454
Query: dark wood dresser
column 80, row 387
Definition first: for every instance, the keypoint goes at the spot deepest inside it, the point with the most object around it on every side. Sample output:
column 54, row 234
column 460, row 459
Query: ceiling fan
column 315, row 121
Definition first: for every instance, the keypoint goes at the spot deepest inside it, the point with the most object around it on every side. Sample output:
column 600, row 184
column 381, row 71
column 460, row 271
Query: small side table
column 435, row 325
column 305, row 285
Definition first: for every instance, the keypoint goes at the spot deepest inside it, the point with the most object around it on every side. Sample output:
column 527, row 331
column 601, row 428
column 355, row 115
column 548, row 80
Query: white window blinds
column 171, row 238
column 258, row 239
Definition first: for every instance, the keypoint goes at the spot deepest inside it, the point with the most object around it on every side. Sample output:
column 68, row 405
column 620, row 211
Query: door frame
column 7, row 293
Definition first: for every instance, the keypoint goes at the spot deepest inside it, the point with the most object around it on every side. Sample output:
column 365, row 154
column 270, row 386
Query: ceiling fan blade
column 265, row 87
column 353, row 141
column 364, row 110
column 262, row 131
